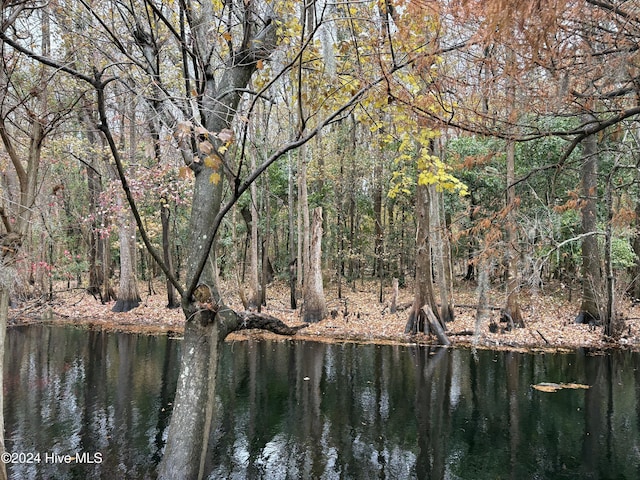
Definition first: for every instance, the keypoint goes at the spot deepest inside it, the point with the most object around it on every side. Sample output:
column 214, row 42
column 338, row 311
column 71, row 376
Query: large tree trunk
column 591, row 274
column 417, row 321
column 315, row 307
column 303, row 218
column 194, row 405
column 377, row 214
column 194, row 408
column 267, row 272
column 128, row 296
column 96, row 251
column 441, row 254
column 293, row 260
column 254, row 284
column 471, row 241
column 512, row 312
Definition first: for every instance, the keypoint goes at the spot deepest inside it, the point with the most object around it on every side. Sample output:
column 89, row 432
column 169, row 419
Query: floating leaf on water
column 575, row 385
column 547, row 387
column 554, row 387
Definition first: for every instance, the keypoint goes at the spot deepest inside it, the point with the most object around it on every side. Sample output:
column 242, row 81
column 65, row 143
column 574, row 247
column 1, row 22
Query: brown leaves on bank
column 359, row 317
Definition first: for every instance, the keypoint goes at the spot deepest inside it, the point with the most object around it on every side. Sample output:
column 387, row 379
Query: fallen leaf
column 554, row 387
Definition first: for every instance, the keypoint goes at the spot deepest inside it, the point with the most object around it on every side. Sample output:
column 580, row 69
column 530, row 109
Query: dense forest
column 419, row 144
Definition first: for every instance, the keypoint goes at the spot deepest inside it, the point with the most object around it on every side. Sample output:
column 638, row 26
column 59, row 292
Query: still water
column 292, row 410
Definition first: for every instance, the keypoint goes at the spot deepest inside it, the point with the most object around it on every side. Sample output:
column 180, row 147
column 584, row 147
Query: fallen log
column 263, row 321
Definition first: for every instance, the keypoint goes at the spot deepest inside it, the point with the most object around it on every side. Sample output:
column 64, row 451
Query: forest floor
column 357, row 317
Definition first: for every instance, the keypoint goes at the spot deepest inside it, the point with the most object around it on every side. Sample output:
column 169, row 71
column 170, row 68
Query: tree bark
column 292, row 239
column 128, row 295
column 303, row 219
column 94, row 190
column 394, row 296
column 440, row 241
column 435, row 326
column 194, row 408
column 417, row 321
column 377, row 214
column 254, row 284
column 591, row 274
column 512, row 310
column 267, row 272
column 165, row 216
column 315, row 307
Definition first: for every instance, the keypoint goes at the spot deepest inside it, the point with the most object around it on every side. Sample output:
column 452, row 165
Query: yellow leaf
column 214, row 178
column 226, row 36
column 212, row 161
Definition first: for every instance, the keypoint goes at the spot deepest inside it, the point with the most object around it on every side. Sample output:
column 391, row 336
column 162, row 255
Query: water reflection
column 361, row 412
column 69, row 390
column 292, row 410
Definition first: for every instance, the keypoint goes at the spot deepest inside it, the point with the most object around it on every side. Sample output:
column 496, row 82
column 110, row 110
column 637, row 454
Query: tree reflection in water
column 309, row 410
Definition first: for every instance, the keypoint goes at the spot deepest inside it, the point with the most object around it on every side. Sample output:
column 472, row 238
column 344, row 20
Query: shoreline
column 504, row 342
column 358, row 317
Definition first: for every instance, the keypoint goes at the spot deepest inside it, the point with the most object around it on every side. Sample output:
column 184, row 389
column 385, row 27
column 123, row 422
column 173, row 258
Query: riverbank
column 357, row 317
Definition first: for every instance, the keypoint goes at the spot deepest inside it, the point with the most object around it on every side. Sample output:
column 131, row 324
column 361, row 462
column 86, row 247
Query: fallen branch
column 263, row 321
column 547, row 341
column 475, row 307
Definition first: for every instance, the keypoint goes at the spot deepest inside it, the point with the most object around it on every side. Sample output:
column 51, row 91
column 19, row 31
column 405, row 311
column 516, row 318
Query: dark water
column 304, row 410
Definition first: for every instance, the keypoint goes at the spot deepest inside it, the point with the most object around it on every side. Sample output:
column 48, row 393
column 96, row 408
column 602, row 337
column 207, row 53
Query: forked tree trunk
column 315, row 307
column 195, row 405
